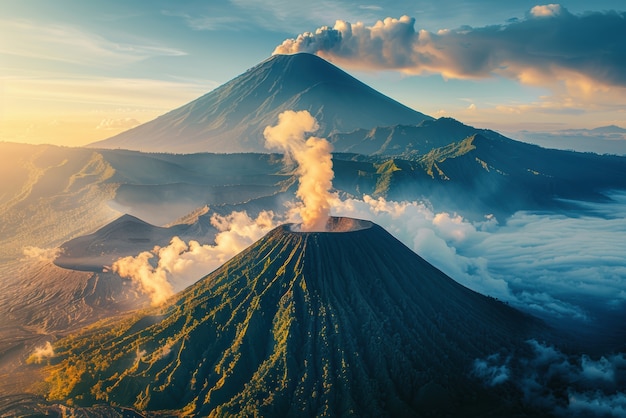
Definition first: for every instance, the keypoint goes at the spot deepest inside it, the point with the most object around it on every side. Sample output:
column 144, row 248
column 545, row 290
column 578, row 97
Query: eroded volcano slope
column 299, row 324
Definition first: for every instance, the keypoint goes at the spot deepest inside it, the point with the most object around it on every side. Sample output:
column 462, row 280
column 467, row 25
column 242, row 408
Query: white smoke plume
column 41, row 254
column 165, row 270
column 41, row 353
column 315, row 167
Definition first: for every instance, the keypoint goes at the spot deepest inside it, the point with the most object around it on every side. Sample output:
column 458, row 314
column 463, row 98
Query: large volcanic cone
column 232, row 117
column 348, row 322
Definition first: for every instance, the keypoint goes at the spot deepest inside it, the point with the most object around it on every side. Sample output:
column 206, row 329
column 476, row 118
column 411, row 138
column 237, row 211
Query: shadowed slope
column 300, row 324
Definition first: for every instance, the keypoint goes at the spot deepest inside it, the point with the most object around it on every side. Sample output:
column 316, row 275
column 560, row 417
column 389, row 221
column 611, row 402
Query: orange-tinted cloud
column 165, row 270
column 548, row 46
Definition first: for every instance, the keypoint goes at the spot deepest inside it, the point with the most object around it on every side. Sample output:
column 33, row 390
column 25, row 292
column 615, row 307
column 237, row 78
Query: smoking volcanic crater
column 335, row 224
column 346, row 322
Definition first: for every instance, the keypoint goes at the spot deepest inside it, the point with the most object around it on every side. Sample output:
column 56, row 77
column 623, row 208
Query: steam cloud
column 315, row 167
column 165, row 270
column 41, row 353
column 41, row 254
column 570, row 47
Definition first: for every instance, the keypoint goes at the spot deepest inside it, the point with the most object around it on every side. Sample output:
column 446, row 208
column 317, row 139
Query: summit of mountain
column 232, row 117
column 347, row 322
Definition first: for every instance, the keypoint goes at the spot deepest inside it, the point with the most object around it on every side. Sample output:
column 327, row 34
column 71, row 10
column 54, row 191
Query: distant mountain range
column 602, row 140
column 232, row 117
column 342, row 323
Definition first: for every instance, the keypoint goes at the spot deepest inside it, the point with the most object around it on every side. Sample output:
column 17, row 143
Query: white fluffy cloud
column 41, row 353
column 559, row 266
column 491, row 370
column 546, row 10
column 434, row 236
column 595, row 404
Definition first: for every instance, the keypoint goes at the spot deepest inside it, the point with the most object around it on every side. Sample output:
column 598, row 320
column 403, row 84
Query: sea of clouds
column 566, row 385
column 554, row 265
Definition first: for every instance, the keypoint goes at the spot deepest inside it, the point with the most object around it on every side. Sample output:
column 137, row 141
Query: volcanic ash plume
column 315, row 167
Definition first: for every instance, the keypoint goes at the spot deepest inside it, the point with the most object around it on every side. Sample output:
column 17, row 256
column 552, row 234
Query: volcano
column 123, row 237
column 347, row 322
column 232, row 117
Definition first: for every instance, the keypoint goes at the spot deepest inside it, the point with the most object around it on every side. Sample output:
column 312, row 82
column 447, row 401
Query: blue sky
column 73, row 72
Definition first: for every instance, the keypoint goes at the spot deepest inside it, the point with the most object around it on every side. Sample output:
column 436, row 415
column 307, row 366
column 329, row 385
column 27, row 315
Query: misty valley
column 295, row 243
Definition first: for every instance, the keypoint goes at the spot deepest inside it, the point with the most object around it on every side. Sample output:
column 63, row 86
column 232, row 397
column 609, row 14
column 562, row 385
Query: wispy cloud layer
column 98, row 92
column 117, row 124
column 213, row 22
column 74, row 45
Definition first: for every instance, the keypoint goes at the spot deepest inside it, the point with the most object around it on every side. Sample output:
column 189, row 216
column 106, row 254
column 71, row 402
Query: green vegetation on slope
column 438, row 155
